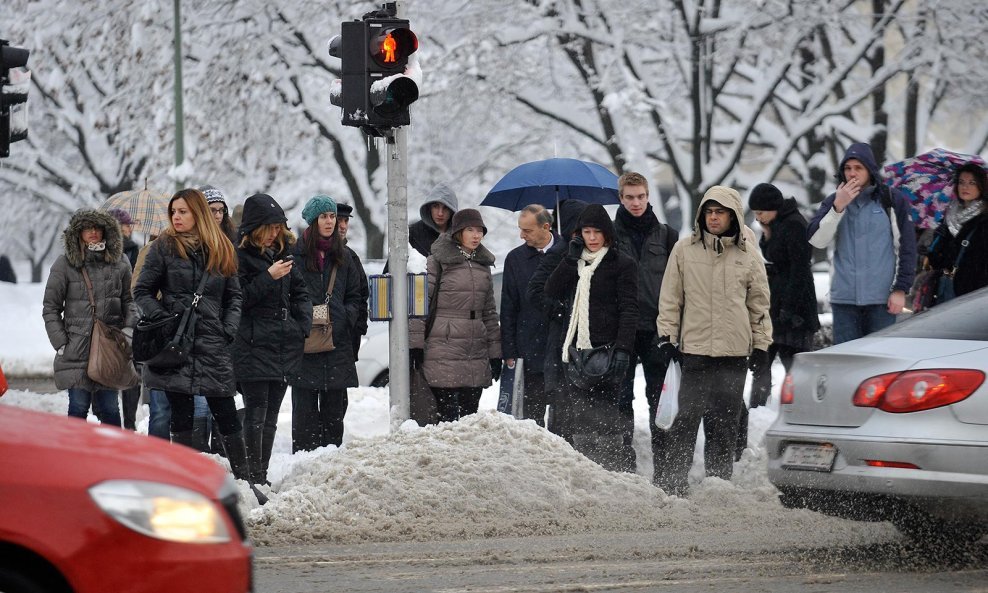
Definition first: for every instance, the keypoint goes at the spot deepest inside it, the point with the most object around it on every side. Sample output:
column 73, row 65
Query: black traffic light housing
column 375, row 87
column 15, row 80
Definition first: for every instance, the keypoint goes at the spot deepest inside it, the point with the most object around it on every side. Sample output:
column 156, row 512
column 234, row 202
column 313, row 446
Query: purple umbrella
column 928, row 180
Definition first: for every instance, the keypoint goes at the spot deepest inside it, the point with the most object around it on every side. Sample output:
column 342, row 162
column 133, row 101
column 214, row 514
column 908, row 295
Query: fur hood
column 72, row 236
column 446, row 251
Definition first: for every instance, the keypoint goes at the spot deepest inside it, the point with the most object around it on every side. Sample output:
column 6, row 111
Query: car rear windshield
column 963, row 318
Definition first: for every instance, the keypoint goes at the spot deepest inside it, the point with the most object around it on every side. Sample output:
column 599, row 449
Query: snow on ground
column 486, row 475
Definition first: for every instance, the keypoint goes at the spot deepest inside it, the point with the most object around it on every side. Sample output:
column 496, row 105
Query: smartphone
column 288, row 258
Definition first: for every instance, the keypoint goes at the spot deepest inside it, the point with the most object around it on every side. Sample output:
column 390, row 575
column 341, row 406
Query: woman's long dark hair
column 311, row 237
column 980, row 177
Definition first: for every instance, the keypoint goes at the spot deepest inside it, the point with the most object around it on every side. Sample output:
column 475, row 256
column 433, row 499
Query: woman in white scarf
column 601, row 283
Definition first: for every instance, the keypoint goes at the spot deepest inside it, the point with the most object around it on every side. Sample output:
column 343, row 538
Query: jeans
column 161, row 415
column 852, row 321
column 104, row 402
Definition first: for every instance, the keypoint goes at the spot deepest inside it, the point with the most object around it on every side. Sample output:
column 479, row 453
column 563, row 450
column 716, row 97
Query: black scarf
column 638, row 226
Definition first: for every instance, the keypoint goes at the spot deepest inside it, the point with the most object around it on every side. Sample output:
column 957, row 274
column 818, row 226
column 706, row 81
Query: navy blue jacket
column 523, row 323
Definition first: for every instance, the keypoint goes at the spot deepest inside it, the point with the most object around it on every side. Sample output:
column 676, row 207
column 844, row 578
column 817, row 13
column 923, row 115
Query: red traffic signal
column 390, row 47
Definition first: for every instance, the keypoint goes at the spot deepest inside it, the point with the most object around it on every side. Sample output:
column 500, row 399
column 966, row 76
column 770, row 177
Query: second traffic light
column 377, row 85
column 15, row 79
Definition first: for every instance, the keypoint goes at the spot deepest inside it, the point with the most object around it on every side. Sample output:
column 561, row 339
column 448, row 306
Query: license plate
column 809, row 457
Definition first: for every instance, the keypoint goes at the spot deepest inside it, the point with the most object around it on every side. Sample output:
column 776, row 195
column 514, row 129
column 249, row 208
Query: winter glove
column 758, row 361
column 619, row 366
column 416, row 357
column 496, row 369
column 576, row 247
column 668, row 352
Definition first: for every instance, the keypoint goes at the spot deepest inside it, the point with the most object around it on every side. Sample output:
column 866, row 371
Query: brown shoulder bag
column 321, row 336
column 109, row 351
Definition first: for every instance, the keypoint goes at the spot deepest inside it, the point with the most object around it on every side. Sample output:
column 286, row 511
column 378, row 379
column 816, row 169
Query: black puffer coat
column 66, row 310
column 972, row 274
column 334, row 369
column 613, row 298
column 209, row 371
column 277, row 315
column 790, row 278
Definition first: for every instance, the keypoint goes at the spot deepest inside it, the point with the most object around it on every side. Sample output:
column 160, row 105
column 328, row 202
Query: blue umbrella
column 551, row 181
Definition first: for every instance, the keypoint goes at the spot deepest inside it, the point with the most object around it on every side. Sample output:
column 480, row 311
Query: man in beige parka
column 714, row 305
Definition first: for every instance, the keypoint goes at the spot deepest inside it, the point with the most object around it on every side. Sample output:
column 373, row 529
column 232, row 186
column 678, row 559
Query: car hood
column 73, row 452
column 824, row 382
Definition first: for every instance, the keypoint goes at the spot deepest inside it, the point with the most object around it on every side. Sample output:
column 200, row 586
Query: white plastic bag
column 669, row 399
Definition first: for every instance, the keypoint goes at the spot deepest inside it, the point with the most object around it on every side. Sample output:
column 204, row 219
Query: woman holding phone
column 277, row 315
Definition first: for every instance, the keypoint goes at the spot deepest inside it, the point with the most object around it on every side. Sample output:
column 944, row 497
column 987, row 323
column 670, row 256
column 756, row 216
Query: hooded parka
column 277, row 316
column 66, row 310
column 209, row 370
column 422, row 234
column 715, row 296
column 465, row 334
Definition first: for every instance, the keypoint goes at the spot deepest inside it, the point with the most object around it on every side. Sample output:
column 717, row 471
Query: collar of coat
column 446, row 251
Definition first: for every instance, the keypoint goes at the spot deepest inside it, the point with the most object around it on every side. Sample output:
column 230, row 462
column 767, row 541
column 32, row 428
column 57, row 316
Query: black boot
column 236, row 452
column 200, row 434
column 253, row 437
column 184, row 438
column 267, row 445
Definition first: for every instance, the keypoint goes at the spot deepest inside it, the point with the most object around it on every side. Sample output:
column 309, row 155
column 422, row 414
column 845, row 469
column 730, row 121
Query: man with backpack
column 874, row 259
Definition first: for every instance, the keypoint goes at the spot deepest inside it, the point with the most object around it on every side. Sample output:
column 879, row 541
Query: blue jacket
column 523, row 322
column 874, row 238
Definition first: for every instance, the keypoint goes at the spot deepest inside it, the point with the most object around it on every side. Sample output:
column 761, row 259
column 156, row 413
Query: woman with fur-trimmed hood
column 92, row 241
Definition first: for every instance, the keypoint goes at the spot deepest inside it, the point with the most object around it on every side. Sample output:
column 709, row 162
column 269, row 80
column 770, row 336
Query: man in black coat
column 523, row 322
column 557, row 313
column 343, row 213
column 642, row 237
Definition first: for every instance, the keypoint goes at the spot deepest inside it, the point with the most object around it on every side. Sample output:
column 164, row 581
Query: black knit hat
column 595, row 216
column 765, row 196
column 464, row 218
column 259, row 210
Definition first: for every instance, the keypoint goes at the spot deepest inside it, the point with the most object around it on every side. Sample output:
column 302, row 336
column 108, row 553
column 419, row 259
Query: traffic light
column 15, row 80
column 377, row 83
column 390, row 43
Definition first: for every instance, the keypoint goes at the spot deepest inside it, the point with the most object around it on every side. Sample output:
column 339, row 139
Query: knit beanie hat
column 464, row 218
column 765, row 196
column 259, row 210
column 594, row 216
column 343, row 210
column 122, row 216
column 212, row 194
column 316, row 206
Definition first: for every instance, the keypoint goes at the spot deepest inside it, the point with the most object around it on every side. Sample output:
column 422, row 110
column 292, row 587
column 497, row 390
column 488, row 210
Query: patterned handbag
column 321, row 336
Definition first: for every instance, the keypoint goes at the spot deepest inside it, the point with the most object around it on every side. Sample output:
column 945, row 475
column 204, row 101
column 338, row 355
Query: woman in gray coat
column 93, row 242
column 462, row 351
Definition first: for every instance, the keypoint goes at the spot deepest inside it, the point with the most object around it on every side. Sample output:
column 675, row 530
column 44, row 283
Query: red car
column 85, row 508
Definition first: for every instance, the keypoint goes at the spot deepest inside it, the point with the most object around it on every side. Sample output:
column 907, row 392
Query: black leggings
column 453, row 403
column 223, row 409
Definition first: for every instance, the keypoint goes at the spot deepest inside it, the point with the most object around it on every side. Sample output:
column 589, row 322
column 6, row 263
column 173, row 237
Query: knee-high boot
column 267, row 445
column 200, row 434
column 253, row 436
column 186, row 437
column 236, row 453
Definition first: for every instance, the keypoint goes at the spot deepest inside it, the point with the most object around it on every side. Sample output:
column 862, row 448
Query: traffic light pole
column 398, row 377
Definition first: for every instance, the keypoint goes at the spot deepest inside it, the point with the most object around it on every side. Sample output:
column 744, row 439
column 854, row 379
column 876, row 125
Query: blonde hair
column 221, row 259
column 631, row 178
column 284, row 239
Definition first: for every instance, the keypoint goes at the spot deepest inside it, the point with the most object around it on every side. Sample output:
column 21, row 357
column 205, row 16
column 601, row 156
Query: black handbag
column 166, row 342
column 589, row 368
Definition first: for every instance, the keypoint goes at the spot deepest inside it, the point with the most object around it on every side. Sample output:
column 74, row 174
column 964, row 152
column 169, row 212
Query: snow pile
column 25, row 349
column 486, row 475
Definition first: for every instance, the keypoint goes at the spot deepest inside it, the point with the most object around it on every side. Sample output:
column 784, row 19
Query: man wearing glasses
column 713, row 316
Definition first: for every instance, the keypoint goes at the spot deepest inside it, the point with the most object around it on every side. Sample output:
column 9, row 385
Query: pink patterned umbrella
column 928, row 180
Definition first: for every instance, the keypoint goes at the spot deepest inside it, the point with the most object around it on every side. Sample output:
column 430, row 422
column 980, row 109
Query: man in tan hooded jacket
column 714, row 304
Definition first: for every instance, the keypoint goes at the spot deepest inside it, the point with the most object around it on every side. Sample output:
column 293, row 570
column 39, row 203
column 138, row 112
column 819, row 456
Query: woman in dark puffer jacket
column 277, row 315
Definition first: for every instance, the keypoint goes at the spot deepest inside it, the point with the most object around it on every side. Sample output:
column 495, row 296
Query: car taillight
column 913, row 391
column 787, row 396
column 894, row 464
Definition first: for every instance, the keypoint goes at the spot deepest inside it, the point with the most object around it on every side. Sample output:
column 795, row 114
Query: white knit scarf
column 579, row 321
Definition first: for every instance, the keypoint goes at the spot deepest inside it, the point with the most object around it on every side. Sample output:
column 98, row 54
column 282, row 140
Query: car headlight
column 162, row 511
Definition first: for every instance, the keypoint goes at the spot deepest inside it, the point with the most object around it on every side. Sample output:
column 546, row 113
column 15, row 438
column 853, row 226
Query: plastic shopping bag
column 669, row 400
